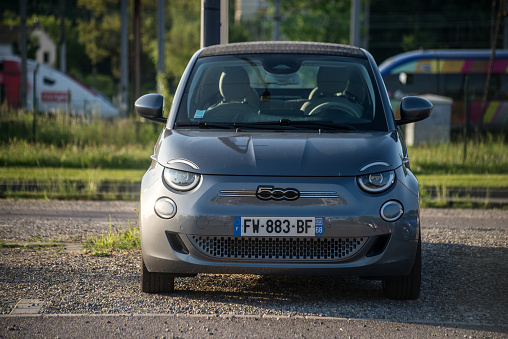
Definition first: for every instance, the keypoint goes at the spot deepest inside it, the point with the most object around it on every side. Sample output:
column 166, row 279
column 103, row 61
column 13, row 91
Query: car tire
column 155, row 282
column 406, row 287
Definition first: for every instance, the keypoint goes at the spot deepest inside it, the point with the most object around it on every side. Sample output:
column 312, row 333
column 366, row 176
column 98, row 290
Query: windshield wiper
column 235, row 125
column 204, row 124
column 320, row 124
column 283, row 124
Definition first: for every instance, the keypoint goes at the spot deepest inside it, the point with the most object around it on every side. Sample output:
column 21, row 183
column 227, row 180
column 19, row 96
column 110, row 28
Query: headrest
column 331, row 80
column 234, row 84
column 356, row 85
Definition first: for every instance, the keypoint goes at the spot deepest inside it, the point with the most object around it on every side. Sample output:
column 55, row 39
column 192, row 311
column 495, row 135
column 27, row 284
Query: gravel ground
column 465, row 273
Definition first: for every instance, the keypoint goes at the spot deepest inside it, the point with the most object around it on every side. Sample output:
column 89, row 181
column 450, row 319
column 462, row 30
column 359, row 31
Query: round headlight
column 376, row 182
column 181, row 180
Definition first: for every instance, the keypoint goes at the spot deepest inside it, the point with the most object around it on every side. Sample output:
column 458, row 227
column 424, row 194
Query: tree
column 100, row 34
column 317, row 20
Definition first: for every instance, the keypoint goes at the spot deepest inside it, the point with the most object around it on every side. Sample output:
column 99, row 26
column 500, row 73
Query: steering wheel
column 351, row 97
column 328, row 105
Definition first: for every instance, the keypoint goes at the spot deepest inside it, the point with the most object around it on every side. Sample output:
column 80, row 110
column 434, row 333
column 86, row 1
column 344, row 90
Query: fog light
column 391, row 210
column 165, row 208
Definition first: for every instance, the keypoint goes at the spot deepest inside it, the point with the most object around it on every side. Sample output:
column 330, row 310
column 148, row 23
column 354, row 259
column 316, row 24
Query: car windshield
column 281, row 91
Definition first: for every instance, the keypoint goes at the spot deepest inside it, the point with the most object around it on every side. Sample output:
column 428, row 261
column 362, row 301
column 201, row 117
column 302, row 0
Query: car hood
column 279, row 154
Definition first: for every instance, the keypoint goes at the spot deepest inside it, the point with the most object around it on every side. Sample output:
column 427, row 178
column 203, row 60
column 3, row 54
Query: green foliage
column 319, row 20
column 183, row 38
column 61, row 130
column 123, row 239
column 23, row 153
column 103, row 83
column 100, row 33
column 489, row 156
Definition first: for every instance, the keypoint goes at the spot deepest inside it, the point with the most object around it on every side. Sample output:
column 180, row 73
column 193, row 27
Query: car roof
column 283, row 47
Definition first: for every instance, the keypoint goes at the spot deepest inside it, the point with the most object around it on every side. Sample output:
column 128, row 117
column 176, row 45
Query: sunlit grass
column 127, row 239
column 489, row 156
column 62, row 130
column 464, row 180
column 85, row 158
column 20, row 153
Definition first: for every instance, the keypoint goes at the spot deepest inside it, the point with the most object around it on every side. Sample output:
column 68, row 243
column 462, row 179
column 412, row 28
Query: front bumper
column 200, row 237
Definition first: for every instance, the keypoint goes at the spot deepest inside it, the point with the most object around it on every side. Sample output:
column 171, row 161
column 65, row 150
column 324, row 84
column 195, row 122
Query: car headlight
column 181, row 180
column 376, row 182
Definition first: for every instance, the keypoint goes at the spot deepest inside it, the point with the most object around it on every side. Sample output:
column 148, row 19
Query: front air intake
column 278, row 248
column 176, row 243
column 379, row 245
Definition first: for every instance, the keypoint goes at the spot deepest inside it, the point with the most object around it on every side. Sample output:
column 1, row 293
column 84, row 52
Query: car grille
column 278, row 248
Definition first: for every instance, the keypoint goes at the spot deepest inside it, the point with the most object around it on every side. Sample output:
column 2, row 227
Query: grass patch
column 61, row 174
column 21, row 153
column 61, row 130
column 464, row 180
column 127, row 239
column 489, row 156
column 86, row 158
column 69, row 183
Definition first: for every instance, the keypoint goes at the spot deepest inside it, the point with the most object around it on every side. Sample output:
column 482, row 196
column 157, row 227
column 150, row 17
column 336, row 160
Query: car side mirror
column 413, row 109
column 151, row 107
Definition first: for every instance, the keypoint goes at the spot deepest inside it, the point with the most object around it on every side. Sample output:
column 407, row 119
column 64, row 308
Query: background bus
column 442, row 72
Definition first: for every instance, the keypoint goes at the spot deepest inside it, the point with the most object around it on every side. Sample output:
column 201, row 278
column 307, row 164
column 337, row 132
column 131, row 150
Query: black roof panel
column 283, row 47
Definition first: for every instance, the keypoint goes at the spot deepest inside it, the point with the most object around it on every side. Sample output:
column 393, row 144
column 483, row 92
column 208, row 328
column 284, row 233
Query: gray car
column 281, row 158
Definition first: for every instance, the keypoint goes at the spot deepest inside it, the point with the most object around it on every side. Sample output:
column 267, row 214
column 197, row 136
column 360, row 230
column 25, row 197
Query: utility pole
column 63, row 47
column 124, row 58
column 22, row 10
column 210, row 22
column 366, row 25
column 160, row 45
column 224, row 21
column 354, row 30
column 276, row 21
column 137, row 49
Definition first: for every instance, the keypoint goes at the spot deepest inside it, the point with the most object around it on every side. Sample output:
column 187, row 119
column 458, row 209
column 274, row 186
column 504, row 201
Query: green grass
column 489, row 156
column 61, row 174
column 85, row 158
column 61, row 130
column 127, row 239
column 464, row 180
column 21, row 153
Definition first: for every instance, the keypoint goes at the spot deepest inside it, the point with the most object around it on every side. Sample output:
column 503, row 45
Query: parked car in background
column 281, row 158
column 443, row 72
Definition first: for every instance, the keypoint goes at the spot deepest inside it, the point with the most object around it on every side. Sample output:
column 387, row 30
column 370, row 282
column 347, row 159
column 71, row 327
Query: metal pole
column 35, row 104
column 210, row 22
column 354, row 30
column 137, row 49
column 63, row 47
column 224, row 22
column 276, row 21
column 491, row 62
column 22, row 9
column 467, row 118
column 124, row 58
column 366, row 25
column 505, row 35
column 160, row 45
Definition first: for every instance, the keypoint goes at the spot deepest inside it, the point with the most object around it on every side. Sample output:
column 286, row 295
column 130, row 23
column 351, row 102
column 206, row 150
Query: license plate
column 278, row 226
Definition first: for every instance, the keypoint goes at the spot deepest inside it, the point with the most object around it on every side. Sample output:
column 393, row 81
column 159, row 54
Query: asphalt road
column 464, row 292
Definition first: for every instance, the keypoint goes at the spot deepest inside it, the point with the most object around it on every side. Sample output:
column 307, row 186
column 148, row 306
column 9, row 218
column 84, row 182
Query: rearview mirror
column 413, row 109
column 151, row 106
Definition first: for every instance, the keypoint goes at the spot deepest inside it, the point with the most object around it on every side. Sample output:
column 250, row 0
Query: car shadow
column 461, row 286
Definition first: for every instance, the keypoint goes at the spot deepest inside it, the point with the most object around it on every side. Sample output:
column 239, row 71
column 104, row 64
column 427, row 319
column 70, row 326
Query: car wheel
column 406, row 287
column 154, row 282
